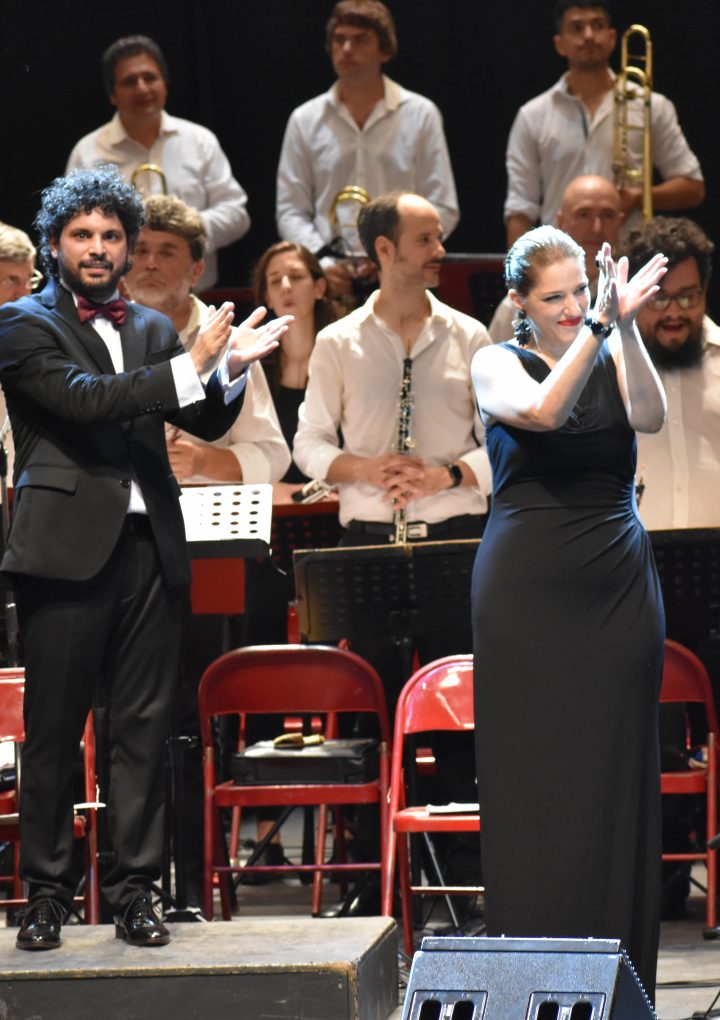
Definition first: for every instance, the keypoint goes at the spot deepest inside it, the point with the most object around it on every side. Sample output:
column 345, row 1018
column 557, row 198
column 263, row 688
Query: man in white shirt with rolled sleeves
column 356, row 372
column 443, row 481
column 568, row 130
column 167, row 262
column 142, row 134
column 366, row 131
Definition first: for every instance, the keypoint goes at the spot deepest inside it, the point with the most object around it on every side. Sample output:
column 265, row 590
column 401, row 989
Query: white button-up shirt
column 355, row 373
column 255, row 440
column 553, row 140
column 196, row 168
column 680, row 465
column 401, row 147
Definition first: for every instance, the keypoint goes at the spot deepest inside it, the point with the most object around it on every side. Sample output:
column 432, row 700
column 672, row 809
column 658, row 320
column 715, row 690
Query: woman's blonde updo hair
column 532, row 252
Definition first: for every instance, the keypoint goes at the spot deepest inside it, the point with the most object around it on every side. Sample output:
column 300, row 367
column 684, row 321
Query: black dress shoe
column 139, row 926
column 40, row 924
column 363, row 900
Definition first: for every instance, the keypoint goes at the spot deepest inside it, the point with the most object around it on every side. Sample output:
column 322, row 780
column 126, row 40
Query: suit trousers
column 118, row 632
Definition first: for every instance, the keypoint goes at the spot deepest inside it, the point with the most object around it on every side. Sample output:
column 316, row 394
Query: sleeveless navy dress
column 568, row 637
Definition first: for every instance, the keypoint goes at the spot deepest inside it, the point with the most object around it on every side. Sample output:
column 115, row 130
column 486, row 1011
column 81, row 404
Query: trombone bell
column 145, row 178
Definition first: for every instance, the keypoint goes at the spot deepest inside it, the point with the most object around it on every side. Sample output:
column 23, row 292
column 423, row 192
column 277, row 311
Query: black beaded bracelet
column 599, row 328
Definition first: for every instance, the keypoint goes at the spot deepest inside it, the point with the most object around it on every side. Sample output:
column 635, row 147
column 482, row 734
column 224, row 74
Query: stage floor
column 688, row 970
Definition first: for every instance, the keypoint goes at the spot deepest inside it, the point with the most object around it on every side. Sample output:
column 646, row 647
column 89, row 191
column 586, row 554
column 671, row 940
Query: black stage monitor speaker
column 524, row 979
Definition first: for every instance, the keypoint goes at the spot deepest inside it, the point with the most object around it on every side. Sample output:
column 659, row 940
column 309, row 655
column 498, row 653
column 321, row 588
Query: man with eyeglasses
column 679, row 466
column 18, row 277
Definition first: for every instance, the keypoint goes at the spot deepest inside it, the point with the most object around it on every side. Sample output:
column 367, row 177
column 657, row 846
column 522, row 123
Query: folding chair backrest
column 685, row 679
column 438, row 696
column 12, row 726
column 290, row 678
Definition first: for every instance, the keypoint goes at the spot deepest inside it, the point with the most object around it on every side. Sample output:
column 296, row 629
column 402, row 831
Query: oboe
column 403, row 442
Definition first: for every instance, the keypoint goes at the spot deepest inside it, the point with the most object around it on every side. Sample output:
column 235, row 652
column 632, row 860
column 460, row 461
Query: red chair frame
column 12, row 728
column 685, row 679
column 439, row 696
column 295, row 679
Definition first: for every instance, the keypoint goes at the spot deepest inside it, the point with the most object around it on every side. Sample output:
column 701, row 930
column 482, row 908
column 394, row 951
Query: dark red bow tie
column 113, row 310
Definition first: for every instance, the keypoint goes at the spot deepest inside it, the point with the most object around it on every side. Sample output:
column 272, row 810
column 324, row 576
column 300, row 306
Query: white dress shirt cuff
column 478, row 461
column 188, row 387
column 232, row 388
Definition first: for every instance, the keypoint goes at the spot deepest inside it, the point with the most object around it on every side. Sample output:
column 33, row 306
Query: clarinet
column 403, row 443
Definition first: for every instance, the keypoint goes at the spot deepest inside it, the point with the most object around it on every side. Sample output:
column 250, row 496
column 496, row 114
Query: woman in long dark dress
column 567, row 613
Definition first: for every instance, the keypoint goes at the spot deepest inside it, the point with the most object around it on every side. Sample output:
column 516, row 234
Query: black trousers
column 118, row 632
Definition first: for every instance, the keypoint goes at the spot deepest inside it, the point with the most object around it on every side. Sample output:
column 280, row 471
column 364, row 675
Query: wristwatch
column 455, row 474
column 599, row 328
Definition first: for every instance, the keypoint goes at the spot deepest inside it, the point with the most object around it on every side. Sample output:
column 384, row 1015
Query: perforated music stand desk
column 223, row 525
column 350, row 591
column 227, row 520
column 688, row 563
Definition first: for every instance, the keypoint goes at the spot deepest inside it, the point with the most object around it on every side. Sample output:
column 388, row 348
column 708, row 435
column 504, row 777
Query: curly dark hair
column 96, row 187
column 677, row 237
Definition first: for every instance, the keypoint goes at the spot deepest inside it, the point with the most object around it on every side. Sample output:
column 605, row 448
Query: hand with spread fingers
column 213, row 336
column 620, row 299
column 252, row 341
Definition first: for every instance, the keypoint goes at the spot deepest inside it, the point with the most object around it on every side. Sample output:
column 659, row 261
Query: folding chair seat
column 12, row 729
column 438, row 697
column 297, row 680
column 685, row 680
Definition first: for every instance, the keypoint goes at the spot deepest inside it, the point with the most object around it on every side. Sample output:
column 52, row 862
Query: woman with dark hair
column 288, row 276
column 567, row 612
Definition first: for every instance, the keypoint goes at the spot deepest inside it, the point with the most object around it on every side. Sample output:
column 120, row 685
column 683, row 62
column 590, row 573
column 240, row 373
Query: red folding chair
column 300, row 680
column 439, row 696
column 685, row 680
column 12, row 729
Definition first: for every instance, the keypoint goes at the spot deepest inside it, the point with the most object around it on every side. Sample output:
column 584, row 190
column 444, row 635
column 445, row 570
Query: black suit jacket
column 82, row 432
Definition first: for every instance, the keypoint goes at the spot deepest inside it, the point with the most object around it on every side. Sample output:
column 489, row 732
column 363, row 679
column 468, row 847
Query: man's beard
column 687, row 355
column 98, row 292
column 155, row 297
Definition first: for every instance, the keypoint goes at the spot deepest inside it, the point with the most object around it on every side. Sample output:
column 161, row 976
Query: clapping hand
column 252, row 341
column 619, row 299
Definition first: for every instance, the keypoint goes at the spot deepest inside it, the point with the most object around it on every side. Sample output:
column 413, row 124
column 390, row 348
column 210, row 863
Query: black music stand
column 220, row 521
column 688, row 565
column 400, row 588
column 349, row 591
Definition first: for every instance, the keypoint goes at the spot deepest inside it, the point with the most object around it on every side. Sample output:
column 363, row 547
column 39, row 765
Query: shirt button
column 125, row 483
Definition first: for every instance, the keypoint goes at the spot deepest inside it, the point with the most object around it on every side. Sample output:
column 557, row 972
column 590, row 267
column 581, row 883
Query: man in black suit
column 96, row 552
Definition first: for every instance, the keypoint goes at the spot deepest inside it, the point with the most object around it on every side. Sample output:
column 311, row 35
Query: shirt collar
column 437, row 310
column 561, row 85
column 394, row 95
column 711, row 332
column 118, row 134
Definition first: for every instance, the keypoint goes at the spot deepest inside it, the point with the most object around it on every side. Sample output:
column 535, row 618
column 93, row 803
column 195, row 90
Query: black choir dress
column 568, row 633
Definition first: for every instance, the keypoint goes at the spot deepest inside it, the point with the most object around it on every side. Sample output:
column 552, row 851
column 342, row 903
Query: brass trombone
column 634, row 81
column 148, row 168
column 343, row 216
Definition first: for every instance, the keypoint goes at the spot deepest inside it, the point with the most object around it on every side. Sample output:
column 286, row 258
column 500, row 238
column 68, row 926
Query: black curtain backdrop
column 241, row 67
